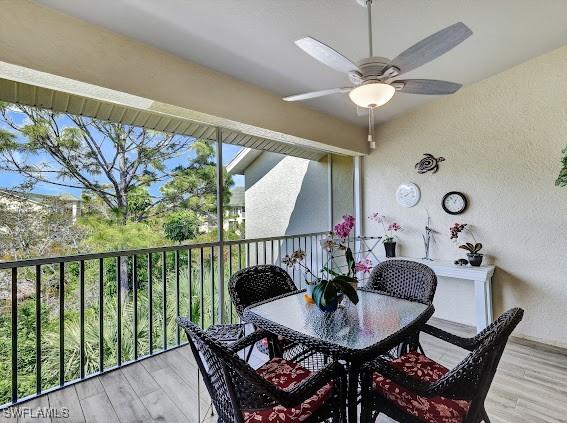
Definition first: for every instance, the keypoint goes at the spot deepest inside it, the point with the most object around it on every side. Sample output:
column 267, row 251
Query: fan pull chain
column 371, row 128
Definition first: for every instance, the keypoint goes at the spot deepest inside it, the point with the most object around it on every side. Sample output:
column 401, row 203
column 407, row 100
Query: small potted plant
column 326, row 291
column 389, row 238
column 474, row 256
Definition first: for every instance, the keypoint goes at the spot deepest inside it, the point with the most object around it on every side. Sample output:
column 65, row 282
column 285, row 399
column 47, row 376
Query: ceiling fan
column 374, row 78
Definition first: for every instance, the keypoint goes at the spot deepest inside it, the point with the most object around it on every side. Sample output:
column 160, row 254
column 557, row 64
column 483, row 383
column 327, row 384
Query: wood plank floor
column 530, row 387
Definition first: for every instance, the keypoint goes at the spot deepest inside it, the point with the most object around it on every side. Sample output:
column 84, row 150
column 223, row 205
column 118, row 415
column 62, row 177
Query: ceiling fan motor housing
column 373, row 69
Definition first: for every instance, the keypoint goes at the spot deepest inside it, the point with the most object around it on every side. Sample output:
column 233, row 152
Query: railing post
column 330, row 190
column 201, row 293
column 190, row 283
column 100, row 314
column 82, row 318
column 220, row 223
column 314, row 269
column 248, row 254
column 62, row 324
column 38, row 329
column 212, row 285
column 177, row 311
column 135, row 302
column 164, row 297
column 14, row 334
column 230, row 274
column 357, row 187
column 119, row 309
column 271, row 251
column 150, row 306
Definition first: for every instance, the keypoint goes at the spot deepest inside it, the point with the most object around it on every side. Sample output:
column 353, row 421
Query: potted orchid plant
column 474, row 256
column 326, row 290
column 390, row 229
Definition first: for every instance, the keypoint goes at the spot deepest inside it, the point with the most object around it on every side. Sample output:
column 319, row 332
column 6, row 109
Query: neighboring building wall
column 502, row 141
column 14, row 199
column 288, row 195
column 343, row 192
column 12, row 202
column 234, row 212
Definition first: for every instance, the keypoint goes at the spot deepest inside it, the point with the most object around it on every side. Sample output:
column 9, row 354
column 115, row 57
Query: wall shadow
column 310, row 213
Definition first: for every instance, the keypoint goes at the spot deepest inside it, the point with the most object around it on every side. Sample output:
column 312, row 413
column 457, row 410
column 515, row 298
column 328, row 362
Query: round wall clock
column 408, row 194
column 454, row 202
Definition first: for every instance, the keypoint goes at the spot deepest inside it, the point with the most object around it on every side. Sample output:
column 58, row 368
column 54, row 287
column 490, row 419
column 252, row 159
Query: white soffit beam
column 27, row 86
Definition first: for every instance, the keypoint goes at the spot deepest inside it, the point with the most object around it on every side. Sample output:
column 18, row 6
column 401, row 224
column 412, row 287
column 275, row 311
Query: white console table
column 482, row 278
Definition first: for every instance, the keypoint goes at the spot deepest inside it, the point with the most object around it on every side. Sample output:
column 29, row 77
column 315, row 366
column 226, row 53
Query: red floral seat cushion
column 285, row 375
column 430, row 410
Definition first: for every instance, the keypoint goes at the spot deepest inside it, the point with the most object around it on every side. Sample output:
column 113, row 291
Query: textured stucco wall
column 289, row 195
column 343, row 200
column 274, row 185
column 502, row 140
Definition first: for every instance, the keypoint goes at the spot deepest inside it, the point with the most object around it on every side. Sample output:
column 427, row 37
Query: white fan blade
column 314, row 94
column 427, row 86
column 326, row 55
column 431, row 47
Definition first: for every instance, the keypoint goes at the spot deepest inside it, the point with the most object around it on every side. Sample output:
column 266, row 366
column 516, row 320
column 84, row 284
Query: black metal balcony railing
column 92, row 313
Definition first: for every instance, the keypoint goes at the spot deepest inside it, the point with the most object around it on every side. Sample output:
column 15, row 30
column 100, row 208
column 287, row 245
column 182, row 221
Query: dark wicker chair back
column 258, row 283
column 404, row 279
column 223, row 371
column 472, row 377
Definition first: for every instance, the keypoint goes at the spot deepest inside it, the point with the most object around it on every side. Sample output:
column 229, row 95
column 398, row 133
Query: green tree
column 181, row 225
column 117, row 164
column 193, row 187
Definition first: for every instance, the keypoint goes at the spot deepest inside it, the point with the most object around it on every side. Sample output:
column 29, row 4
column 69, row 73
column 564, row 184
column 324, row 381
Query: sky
column 9, row 180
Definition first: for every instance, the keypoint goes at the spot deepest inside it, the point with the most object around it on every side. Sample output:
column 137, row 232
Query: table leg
column 352, row 395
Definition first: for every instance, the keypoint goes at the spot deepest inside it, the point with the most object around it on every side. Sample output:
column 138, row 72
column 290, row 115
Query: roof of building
column 242, row 160
column 236, row 197
column 36, row 197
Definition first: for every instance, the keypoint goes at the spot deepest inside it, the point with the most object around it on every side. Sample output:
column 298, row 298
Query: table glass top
column 374, row 318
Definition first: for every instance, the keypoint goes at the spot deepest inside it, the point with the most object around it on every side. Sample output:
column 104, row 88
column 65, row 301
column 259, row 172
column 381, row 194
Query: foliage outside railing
column 76, row 337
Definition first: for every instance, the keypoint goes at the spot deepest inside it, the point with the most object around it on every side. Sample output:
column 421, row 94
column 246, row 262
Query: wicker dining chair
column 416, row 389
column 405, row 279
column 408, row 280
column 249, row 286
column 260, row 283
column 278, row 391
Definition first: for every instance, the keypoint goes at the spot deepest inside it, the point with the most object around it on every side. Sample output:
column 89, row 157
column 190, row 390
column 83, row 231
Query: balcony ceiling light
column 374, row 94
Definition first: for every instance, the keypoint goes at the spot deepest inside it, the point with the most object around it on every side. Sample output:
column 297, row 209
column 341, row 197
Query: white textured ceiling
column 252, row 40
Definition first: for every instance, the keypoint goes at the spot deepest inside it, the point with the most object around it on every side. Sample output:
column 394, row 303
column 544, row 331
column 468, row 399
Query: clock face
column 454, row 202
column 408, row 194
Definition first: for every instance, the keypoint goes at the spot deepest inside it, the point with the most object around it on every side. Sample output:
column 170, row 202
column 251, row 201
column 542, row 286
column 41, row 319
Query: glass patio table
column 354, row 333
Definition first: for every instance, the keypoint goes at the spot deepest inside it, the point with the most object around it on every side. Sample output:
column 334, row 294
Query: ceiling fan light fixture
column 370, row 95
